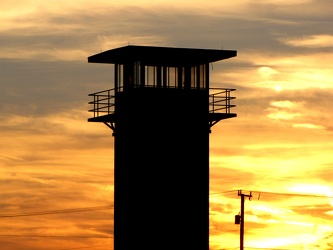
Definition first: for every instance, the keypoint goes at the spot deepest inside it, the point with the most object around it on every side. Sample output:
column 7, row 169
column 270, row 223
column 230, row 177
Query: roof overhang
column 161, row 56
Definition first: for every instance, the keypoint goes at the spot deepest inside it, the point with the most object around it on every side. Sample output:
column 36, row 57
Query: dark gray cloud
column 242, row 31
column 36, row 88
column 39, row 84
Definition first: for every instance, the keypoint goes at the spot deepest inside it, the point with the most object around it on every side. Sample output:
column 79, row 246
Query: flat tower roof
column 161, row 56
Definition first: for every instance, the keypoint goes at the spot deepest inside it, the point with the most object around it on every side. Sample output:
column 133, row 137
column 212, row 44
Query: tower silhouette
column 161, row 111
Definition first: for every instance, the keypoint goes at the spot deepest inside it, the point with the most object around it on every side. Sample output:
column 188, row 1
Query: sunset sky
column 56, row 177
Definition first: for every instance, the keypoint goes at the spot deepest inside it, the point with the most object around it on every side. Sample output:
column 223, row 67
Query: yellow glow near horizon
column 314, row 189
column 308, row 126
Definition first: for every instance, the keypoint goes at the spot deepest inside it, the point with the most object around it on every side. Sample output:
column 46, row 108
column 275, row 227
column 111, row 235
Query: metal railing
column 104, row 101
column 220, row 100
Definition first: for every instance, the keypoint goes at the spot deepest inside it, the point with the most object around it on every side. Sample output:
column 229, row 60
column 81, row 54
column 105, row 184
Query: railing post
column 97, row 110
column 94, row 105
column 109, row 96
column 213, row 103
column 227, row 101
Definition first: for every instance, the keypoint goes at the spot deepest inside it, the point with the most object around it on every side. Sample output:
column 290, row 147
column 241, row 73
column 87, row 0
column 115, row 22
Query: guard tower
column 161, row 111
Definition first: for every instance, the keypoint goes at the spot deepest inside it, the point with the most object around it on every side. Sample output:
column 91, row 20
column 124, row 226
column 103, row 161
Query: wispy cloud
column 308, row 125
column 314, row 41
column 284, row 110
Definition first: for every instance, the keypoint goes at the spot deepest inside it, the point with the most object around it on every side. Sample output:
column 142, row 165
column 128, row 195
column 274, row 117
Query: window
column 119, row 74
column 151, row 76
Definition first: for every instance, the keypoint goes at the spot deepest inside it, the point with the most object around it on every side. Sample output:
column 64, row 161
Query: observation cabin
column 161, row 110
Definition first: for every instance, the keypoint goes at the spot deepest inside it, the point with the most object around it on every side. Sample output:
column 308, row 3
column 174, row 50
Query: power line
column 275, row 193
column 57, row 236
column 225, row 192
column 271, row 248
column 294, row 194
column 90, row 209
column 62, row 211
column 85, row 247
column 249, row 248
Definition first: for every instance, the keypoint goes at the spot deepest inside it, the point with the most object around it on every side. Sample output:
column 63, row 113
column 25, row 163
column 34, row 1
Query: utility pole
column 239, row 219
